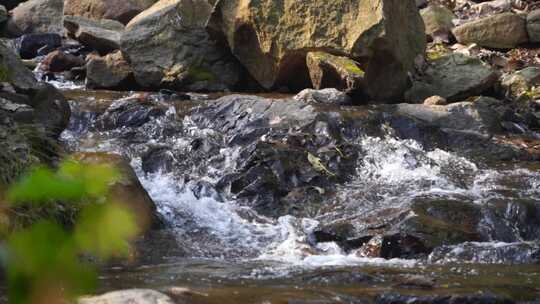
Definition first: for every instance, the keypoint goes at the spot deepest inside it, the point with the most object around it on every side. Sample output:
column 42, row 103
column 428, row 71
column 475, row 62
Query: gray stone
column 502, row 31
column 108, row 72
column 3, row 14
column 462, row 116
column 103, row 36
column 454, row 77
column 36, row 16
column 324, row 96
column 167, row 46
column 533, row 26
column 521, row 82
column 438, row 20
column 131, row 296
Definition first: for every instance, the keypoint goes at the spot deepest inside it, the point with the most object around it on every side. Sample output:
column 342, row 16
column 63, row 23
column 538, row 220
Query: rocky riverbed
column 293, row 152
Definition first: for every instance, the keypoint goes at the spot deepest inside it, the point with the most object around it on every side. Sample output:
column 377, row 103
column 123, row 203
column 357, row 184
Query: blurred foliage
column 44, row 261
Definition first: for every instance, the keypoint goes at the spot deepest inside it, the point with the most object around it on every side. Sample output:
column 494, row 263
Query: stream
column 230, row 245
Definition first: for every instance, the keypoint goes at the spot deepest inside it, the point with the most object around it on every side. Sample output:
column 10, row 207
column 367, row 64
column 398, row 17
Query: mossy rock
column 196, row 74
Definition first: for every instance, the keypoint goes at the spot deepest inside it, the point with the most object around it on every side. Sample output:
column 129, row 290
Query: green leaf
column 105, row 230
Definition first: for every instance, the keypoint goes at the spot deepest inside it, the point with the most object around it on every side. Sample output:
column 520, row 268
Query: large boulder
column 109, row 72
column 167, row 46
column 454, row 77
column 119, row 10
column 131, row 296
column 502, row 31
column 36, row 16
column 103, row 35
column 271, row 38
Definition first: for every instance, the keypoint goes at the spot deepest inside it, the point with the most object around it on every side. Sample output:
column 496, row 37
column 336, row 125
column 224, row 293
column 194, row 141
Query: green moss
column 197, row 74
column 347, row 64
column 5, row 74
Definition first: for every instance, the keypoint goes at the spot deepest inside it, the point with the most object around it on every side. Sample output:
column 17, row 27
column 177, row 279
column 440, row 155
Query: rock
column 533, row 26
column 3, row 14
column 119, row 10
column 521, row 82
column 394, row 298
column 392, row 246
column 177, row 55
column 454, row 77
column 11, row 4
column 325, row 96
column 128, row 113
column 272, row 39
column 329, row 71
column 502, row 31
column 464, row 116
column 488, row 253
column 36, row 16
column 435, row 101
column 439, row 21
column 59, row 61
column 109, row 72
column 158, row 159
column 12, row 70
column 51, row 110
column 32, row 45
column 103, row 36
column 128, row 190
column 131, row 296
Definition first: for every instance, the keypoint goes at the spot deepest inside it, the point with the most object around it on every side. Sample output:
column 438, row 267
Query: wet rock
column 325, row 96
column 109, row 72
column 158, row 159
column 168, row 47
column 443, row 222
column 392, row 246
column 119, row 10
column 463, row 116
column 394, row 298
column 103, row 35
column 32, row 45
column 59, row 61
column 51, row 109
column 131, row 296
column 502, row 31
column 439, row 21
column 521, row 82
column 128, row 113
column 488, row 253
column 128, row 190
column 273, row 49
column 454, row 77
column 329, row 71
column 36, row 16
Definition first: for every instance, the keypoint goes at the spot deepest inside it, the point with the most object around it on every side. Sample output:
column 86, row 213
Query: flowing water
column 226, row 252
